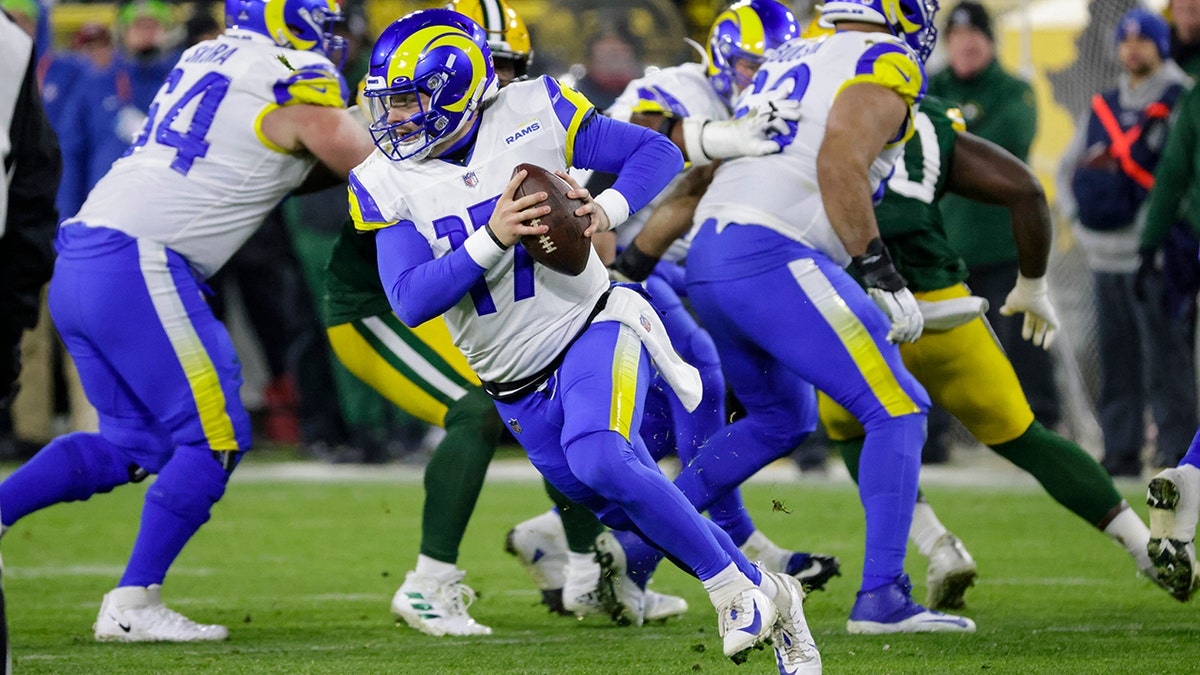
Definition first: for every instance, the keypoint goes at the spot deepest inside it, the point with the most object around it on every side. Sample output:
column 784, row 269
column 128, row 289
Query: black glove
column 1147, row 270
column 10, row 367
column 634, row 264
column 876, row 270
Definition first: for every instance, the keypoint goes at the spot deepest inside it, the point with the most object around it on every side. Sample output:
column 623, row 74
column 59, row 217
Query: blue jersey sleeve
column 418, row 286
column 644, row 160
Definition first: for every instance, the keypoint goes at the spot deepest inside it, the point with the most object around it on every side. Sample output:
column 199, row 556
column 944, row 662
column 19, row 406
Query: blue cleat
column 890, row 609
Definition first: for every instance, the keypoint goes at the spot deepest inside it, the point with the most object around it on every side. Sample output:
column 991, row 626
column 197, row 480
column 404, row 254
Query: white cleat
column 623, row 600
column 580, row 594
column 660, row 607
column 950, row 573
column 540, row 544
column 795, row 649
column 437, row 607
column 746, row 623
column 1174, row 499
column 137, row 614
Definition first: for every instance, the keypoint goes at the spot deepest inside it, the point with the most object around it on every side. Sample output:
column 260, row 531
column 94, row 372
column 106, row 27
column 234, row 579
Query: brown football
column 563, row 248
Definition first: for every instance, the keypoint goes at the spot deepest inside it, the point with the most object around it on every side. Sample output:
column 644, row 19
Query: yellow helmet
column 507, row 35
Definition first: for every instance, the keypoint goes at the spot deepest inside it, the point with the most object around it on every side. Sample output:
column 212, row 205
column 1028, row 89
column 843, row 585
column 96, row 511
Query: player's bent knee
column 96, row 466
column 190, row 484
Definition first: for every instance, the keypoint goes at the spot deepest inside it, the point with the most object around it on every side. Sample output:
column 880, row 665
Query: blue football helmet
column 304, row 25
column 440, row 54
column 748, row 30
column 909, row 19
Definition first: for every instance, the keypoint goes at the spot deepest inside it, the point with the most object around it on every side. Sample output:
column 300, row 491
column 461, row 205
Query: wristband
column 492, row 234
column 634, row 263
column 876, row 270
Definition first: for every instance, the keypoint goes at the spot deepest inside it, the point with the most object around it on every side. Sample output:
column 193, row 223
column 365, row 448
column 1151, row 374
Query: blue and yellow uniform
column 764, row 243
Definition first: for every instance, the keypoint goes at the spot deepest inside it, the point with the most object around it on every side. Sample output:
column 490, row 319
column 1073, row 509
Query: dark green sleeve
column 1174, row 173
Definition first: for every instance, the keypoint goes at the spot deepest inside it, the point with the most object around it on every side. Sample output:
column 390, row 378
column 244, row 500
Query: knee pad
column 189, row 484
column 602, row 460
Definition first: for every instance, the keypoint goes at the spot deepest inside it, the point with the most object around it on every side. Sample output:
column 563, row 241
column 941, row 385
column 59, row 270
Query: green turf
column 302, row 574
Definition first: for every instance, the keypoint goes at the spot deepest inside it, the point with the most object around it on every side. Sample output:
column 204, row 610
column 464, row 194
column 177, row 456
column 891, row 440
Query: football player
column 763, row 244
column 567, row 359
column 238, row 124
column 681, row 102
column 964, row 369
column 423, row 373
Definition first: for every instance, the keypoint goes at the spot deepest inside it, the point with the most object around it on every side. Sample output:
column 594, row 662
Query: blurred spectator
column 999, row 107
column 1185, row 35
column 109, row 110
column 200, row 26
column 612, row 60
column 1104, row 176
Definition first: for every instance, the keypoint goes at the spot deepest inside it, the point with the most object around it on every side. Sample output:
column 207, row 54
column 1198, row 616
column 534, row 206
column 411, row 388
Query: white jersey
column 202, row 176
column 682, row 91
column 780, row 191
column 525, row 314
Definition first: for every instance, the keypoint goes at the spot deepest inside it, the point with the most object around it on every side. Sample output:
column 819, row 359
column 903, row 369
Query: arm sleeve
column 418, row 286
column 1172, row 176
column 644, row 160
column 27, row 247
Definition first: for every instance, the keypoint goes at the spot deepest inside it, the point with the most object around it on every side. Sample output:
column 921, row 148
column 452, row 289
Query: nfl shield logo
column 513, row 423
column 470, row 179
column 645, row 322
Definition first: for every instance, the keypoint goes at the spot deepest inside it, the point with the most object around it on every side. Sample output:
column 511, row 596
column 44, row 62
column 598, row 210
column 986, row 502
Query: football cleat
column 795, row 649
column 624, row 600
column 540, row 545
column 137, row 614
column 437, row 607
column 660, row 606
column 580, row 593
column 950, row 573
column 890, row 609
column 745, row 623
column 1174, row 498
column 813, row 570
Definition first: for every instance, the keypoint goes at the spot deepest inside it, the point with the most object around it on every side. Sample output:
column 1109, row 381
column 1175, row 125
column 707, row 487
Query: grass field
column 302, row 573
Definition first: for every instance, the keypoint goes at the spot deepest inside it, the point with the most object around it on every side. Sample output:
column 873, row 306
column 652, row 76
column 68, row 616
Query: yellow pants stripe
column 198, row 367
column 965, row 371
column 854, row 337
column 626, row 359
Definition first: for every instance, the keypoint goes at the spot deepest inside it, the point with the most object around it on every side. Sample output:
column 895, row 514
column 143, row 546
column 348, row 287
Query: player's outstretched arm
column 333, row 135
column 986, row 172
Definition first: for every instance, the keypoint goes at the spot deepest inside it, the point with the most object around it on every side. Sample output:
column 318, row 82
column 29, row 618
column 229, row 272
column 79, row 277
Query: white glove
column 751, row 135
column 901, row 307
column 1032, row 296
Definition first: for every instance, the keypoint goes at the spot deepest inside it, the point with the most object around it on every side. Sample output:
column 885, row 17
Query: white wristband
column 1036, row 286
column 483, row 249
column 693, row 141
column 615, row 206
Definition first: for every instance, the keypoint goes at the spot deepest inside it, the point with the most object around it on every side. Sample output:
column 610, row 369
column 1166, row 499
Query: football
column 563, row 248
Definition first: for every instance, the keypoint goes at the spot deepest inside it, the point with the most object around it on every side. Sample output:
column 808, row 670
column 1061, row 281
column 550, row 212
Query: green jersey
column 910, row 221
column 352, row 287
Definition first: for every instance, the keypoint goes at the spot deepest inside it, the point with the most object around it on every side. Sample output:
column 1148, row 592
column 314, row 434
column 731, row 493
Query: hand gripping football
column 563, row 248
